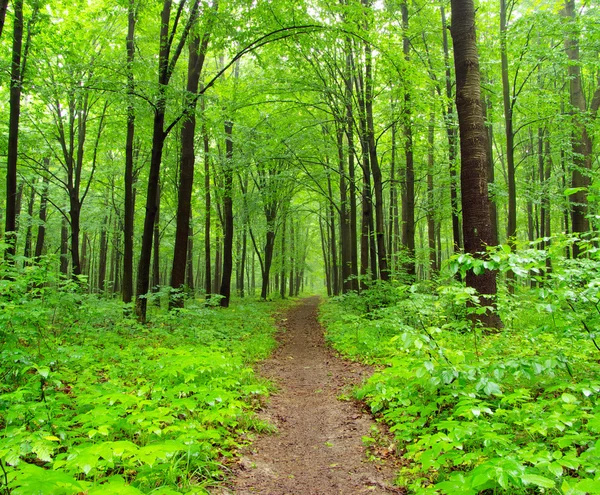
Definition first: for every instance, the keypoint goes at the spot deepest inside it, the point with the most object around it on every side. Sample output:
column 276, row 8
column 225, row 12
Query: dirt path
column 318, row 449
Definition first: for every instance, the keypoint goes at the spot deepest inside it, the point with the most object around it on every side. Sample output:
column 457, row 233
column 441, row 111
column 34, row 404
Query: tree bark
column 477, row 229
column 29, row 232
column 225, row 289
column 452, row 140
column 408, row 205
column 129, row 201
column 197, row 54
column 43, row 215
column 16, row 81
column 64, row 247
column 166, row 66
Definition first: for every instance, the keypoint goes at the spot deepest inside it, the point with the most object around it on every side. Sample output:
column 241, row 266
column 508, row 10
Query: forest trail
column 318, row 449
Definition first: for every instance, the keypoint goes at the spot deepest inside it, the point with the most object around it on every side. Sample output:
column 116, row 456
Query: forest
column 180, row 174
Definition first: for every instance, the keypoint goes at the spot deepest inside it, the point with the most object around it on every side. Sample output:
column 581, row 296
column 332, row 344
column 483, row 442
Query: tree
column 477, row 229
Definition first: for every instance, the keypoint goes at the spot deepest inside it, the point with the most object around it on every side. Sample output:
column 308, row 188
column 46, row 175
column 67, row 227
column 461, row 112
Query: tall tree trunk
column 156, row 246
column 64, row 247
column 452, row 139
column 269, row 246
column 189, row 272
column 351, row 168
column 486, row 106
column 197, row 55
column 103, row 253
column 394, row 220
column 283, row 273
column 345, row 235
column 292, row 257
column 43, row 215
column 129, row 201
column 186, row 179
column 511, row 230
column 581, row 141
column 166, row 66
column 379, row 231
column 477, row 229
column 10, row 226
column 333, row 245
column 3, row 9
column 430, row 195
column 225, row 290
column 29, row 232
column 408, row 206
column 207, row 206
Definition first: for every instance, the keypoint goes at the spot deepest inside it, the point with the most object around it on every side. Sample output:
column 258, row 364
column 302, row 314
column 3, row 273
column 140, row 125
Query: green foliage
column 91, row 401
column 517, row 411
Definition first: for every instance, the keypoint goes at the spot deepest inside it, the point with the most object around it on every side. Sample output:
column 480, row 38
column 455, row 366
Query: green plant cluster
column 473, row 411
column 93, row 402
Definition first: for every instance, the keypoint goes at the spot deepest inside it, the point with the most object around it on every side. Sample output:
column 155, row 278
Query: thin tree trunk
column 189, row 272
column 379, row 231
column 430, row 196
column 64, row 247
column 225, row 290
column 156, row 246
column 29, row 232
column 452, row 140
column 334, row 272
column 43, row 215
column 103, row 251
column 408, row 206
column 207, row 206
column 511, row 230
column 282, row 285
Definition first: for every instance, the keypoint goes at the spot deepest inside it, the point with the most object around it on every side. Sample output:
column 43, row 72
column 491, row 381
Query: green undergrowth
column 509, row 412
column 93, row 402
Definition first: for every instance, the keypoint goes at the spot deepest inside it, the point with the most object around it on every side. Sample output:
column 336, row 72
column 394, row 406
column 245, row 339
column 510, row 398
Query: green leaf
column 535, row 479
column 569, row 191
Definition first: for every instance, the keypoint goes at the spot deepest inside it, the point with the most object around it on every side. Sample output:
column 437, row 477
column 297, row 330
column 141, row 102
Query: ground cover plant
column 512, row 411
column 93, row 402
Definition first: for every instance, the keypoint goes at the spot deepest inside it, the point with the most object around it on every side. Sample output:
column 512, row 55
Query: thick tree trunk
column 166, row 65
column 186, row 180
column 477, row 229
column 282, row 273
column 3, row 8
column 581, row 141
column 10, row 226
column 225, row 289
column 129, row 201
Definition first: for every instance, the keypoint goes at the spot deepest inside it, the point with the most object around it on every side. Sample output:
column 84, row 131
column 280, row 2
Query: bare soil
column 318, row 449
